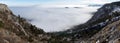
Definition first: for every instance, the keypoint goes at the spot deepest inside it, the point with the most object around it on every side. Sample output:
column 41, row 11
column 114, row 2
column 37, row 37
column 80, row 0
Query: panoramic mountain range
column 103, row 27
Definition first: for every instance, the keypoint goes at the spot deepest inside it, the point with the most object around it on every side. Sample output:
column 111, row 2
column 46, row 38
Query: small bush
column 1, row 24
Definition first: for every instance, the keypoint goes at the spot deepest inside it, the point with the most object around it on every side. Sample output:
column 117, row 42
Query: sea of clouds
column 54, row 18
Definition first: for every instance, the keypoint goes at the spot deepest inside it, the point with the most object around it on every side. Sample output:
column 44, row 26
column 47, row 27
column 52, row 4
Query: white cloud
column 55, row 19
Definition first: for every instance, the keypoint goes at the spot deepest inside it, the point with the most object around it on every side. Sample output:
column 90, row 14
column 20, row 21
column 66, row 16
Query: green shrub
column 1, row 24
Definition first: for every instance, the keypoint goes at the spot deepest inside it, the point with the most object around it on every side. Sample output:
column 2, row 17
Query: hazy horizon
column 53, row 2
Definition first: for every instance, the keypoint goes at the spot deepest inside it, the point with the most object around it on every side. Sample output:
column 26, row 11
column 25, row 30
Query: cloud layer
column 54, row 19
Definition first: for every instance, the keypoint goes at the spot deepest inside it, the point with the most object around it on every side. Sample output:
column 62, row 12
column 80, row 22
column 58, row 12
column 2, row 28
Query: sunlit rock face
column 55, row 18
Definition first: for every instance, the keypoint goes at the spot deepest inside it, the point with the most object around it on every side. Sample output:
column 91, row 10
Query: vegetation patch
column 1, row 24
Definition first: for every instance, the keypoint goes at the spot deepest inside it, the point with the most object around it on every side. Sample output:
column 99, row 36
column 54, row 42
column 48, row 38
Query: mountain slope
column 107, row 15
column 109, row 34
column 14, row 29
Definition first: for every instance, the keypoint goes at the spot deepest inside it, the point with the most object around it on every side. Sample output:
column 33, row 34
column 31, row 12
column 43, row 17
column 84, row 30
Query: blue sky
column 56, row 2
